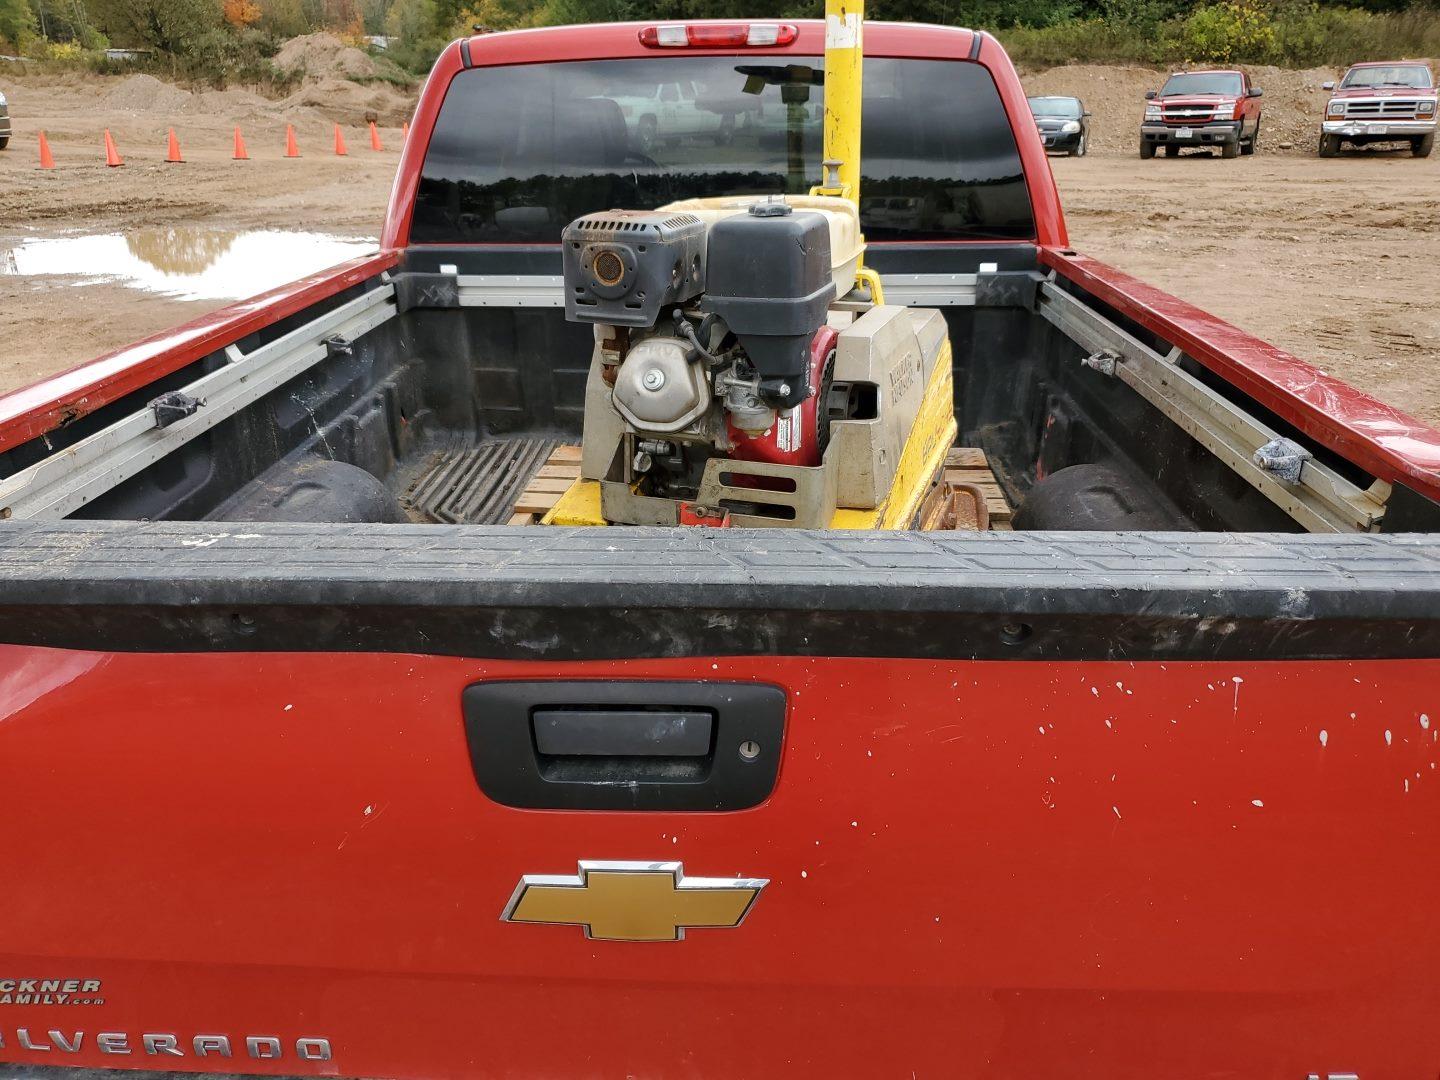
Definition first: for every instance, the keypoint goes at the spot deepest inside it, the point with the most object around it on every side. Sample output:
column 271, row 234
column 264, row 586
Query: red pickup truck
column 1202, row 108
column 1379, row 102
column 307, row 770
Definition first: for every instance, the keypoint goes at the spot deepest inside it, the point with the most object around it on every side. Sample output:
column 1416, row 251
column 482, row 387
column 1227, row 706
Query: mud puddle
column 183, row 262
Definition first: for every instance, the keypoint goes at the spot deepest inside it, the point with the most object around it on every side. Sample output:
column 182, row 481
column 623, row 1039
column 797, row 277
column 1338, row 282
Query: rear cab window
column 519, row 152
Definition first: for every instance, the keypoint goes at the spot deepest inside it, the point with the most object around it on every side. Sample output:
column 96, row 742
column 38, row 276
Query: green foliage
column 1090, row 41
column 183, row 28
column 283, row 19
column 1223, row 33
column 17, row 23
column 415, row 32
column 1309, row 34
column 192, row 39
column 1296, row 33
column 1142, row 16
column 64, row 21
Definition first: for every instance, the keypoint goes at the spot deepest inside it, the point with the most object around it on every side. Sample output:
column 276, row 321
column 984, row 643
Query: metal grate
column 477, row 485
column 1391, row 108
column 1186, row 114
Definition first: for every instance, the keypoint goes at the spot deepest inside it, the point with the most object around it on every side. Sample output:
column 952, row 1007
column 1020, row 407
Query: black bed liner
column 572, row 594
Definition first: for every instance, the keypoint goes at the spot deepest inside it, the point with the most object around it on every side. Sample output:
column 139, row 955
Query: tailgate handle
column 622, row 733
column 625, row 744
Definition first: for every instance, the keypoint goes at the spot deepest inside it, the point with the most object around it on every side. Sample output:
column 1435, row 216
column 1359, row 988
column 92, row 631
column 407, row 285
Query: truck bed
column 381, row 382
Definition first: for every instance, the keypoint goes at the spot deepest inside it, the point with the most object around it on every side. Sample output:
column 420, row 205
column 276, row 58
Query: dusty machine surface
column 648, row 620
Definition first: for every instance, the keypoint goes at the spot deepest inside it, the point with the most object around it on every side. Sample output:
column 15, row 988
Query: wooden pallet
column 550, row 481
column 963, row 465
column 967, row 465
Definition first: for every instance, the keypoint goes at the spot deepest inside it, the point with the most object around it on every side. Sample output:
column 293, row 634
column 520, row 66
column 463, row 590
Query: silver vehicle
column 4, row 121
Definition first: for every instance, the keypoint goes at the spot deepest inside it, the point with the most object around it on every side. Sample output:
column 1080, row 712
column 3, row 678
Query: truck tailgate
column 1136, row 806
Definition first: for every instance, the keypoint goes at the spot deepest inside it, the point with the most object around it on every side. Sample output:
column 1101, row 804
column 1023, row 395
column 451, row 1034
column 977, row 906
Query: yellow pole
column 844, row 57
column 844, row 79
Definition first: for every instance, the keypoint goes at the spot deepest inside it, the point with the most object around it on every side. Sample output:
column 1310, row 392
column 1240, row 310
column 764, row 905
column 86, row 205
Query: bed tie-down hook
column 176, row 405
column 1103, row 361
column 1282, row 458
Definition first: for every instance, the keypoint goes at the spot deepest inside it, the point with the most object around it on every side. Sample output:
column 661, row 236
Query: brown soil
column 1329, row 259
column 324, row 54
column 1326, row 259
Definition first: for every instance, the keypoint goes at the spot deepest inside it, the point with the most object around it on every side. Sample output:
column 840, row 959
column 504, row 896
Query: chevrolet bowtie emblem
column 633, row 901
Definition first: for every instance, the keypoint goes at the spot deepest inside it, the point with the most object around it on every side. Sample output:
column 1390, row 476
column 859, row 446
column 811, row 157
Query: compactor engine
column 739, row 377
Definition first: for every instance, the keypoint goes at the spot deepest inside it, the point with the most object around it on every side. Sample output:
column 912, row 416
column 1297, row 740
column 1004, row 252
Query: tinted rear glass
column 1202, row 83
column 519, row 152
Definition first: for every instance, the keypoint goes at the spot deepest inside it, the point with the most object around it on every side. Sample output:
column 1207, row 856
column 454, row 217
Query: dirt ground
column 1333, row 260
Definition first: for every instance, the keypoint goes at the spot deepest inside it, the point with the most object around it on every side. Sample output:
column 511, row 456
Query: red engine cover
column 794, row 438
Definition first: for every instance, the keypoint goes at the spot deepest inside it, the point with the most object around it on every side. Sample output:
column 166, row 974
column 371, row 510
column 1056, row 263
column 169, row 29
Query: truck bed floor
column 468, row 484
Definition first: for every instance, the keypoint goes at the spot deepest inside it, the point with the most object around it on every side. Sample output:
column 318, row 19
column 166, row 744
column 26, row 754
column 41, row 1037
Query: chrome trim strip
column 1358, row 125
column 70, row 478
column 547, row 290
column 929, row 290
column 511, row 290
column 1321, row 502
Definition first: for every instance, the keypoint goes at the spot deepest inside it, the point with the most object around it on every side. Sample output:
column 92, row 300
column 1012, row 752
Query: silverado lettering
column 259, row 1047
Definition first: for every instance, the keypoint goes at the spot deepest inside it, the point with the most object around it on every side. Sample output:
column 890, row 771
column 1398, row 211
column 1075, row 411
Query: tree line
column 232, row 39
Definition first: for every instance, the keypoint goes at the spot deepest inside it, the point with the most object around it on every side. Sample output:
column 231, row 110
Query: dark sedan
column 1063, row 122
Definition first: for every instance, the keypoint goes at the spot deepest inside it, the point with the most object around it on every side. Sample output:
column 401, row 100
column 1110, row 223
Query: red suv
column 1202, row 108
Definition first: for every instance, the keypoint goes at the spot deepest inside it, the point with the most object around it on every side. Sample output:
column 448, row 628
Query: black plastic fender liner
column 1409, row 511
column 1096, row 498
column 572, row 594
column 309, row 489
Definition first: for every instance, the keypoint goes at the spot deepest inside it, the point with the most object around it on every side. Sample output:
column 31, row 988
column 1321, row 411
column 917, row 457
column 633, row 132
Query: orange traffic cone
column 47, row 159
column 404, row 130
column 112, row 156
column 339, row 142
column 292, row 149
column 240, row 152
column 375, row 137
column 172, row 150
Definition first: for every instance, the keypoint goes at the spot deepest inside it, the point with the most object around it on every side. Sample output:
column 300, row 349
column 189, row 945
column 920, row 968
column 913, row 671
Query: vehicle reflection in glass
column 561, row 140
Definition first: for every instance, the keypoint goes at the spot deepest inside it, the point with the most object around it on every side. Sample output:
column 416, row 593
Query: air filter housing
column 770, row 280
column 624, row 266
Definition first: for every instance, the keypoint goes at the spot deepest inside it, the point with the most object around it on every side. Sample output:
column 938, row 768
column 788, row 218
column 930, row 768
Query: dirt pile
column 316, row 56
column 234, row 103
column 146, row 94
column 347, row 102
column 339, row 83
column 1294, row 105
column 1290, row 117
